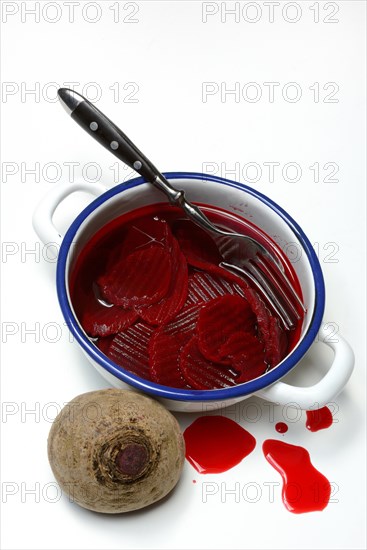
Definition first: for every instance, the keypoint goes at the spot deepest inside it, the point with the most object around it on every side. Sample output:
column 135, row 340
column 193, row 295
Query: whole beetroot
column 115, row 451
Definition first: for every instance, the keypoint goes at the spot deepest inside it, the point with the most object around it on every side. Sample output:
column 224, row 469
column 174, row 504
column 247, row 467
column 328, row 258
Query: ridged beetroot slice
column 276, row 343
column 218, row 320
column 141, row 235
column 240, row 287
column 165, row 346
column 250, row 364
column 142, row 278
column 196, row 244
column 145, row 233
column 201, row 373
column 239, row 342
column 129, row 349
column 104, row 343
column 171, row 304
column 270, row 331
column 184, row 322
column 104, row 321
column 261, row 311
column 164, row 353
column 203, row 287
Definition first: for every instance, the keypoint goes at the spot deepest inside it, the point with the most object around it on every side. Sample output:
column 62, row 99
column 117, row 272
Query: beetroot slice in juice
column 273, row 336
column 196, row 244
column 164, row 351
column 247, row 355
column 236, row 344
column 105, row 321
column 163, row 311
column 142, row 278
column 165, row 346
column 129, row 349
column 201, row 373
column 104, row 343
column 276, row 343
column 203, row 287
column 145, row 233
column 218, row 320
column 250, row 364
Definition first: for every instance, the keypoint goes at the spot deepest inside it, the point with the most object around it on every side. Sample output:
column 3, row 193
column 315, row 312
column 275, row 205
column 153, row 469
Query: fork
column 247, row 257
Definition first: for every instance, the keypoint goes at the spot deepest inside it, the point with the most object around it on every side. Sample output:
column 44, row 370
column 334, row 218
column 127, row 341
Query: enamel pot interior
column 233, row 197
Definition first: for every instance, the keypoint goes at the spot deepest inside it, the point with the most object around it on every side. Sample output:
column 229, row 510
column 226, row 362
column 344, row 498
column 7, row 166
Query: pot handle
column 318, row 395
column 42, row 217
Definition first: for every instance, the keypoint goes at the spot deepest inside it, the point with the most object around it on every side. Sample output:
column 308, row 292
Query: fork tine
column 275, row 282
column 280, row 270
column 255, row 275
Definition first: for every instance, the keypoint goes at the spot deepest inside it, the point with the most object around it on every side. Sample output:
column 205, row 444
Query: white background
column 163, row 59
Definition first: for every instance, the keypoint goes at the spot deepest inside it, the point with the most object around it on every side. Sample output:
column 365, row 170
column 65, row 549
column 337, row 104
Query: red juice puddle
column 305, row 489
column 214, row 444
column 319, row 419
column 281, row 427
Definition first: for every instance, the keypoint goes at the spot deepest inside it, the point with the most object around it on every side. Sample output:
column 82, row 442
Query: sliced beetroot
column 201, row 373
column 196, row 244
column 165, row 347
column 218, row 320
column 104, row 321
column 239, row 342
column 164, row 352
column 141, row 235
column 261, row 312
column 129, row 349
column 142, row 278
column 274, row 337
column 104, row 343
column 248, row 368
column 184, row 322
column 203, row 287
column 168, row 307
column 144, row 234
column 276, row 343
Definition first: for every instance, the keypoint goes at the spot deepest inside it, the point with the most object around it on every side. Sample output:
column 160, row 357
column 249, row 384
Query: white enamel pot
column 231, row 196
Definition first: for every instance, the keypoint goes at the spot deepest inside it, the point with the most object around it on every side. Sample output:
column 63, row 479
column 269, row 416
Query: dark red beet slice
column 239, row 342
column 165, row 346
column 142, row 278
column 238, row 283
column 196, row 244
column 251, row 363
column 144, row 234
column 201, row 373
column 184, row 322
column 171, row 304
column 107, row 320
column 276, row 343
column 104, row 343
column 218, row 320
column 261, row 312
column 164, row 352
column 129, row 349
column 204, row 287
column 273, row 336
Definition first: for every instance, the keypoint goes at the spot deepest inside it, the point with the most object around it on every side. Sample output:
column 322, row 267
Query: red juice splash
column 214, row 444
column 320, row 419
column 281, row 427
column 305, row 489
